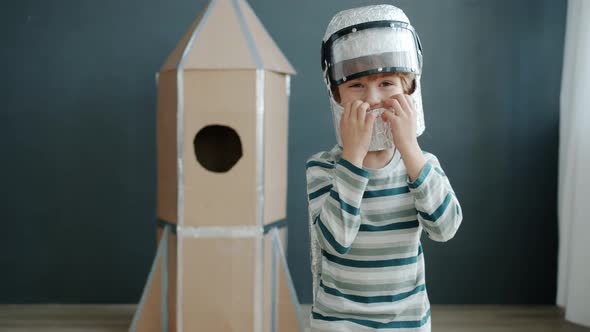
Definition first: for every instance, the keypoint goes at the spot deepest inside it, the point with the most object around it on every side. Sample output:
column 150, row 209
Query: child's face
column 372, row 89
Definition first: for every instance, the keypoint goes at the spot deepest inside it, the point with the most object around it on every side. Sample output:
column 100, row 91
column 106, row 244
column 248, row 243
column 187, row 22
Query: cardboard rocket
column 222, row 124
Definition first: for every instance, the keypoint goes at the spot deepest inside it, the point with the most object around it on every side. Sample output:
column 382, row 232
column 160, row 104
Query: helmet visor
column 374, row 50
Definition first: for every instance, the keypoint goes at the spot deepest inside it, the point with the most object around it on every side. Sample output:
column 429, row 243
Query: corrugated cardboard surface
column 150, row 315
column 218, row 284
column 166, row 147
column 276, row 127
column 172, row 276
column 228, row 98
column 287, row 320
column 267, row 289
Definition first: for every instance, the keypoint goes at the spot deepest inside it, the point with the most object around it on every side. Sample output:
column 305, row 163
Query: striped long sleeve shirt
column 367, row 224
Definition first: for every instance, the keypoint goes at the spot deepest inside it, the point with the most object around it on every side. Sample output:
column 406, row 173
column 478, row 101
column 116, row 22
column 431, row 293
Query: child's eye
column 387, row 83
column 355, row 85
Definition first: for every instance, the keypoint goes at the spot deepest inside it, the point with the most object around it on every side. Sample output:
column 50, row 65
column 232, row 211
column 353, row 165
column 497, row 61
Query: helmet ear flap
column 323, row 56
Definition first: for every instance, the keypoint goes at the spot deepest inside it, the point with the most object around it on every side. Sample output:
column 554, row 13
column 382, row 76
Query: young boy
column 371, row 196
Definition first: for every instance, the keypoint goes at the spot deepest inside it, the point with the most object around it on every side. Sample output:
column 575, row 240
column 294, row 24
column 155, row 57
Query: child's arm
column 439, row 211
column 334, row 192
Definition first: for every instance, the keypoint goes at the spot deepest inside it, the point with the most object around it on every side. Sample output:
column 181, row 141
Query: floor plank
column 445, row 318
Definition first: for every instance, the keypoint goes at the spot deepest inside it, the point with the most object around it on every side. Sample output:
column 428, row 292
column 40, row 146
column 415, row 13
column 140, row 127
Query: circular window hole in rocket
column 217, row 148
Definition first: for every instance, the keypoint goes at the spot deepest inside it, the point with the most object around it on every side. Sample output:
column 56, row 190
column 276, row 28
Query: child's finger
column 362, row 112
column 346, row 113
column 404, row 104
column 410, row 102
column 354, row 110
column 397, row 108
column 388, row 103
column 398, row 104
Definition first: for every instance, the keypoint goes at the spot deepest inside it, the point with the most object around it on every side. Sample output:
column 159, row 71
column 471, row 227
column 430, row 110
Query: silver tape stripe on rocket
column 219, row 232
column 179, row 147
column 288, row 85
column 260, row 147
column 279, row 249
column 180, row 189
column 275, row 234
column 249, row 40
column 259, row 272
column 259, row 113
column 274, row 271
column 273, row 290
column 164, row 285
column 258, row 287
column 161, row 223
column 141, row 305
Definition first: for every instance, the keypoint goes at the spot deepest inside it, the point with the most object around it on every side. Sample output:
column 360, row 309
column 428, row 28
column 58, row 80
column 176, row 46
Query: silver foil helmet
column 371, row 40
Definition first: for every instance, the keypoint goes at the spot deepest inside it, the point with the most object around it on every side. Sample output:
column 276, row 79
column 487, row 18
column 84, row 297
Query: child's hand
column 356, row 129
column 402, row 121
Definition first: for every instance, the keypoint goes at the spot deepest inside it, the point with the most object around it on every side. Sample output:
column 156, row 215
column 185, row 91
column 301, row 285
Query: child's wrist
column 353, row 157
column 410, row 148
column 414, row 161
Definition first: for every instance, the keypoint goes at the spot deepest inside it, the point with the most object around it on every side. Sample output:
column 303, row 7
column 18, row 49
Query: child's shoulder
column 322, row 156
column 431, row 158
column 332, row 156
column 328, row 157
column 429, row 155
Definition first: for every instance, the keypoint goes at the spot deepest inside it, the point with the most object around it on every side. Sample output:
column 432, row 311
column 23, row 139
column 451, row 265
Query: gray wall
column 78, row 127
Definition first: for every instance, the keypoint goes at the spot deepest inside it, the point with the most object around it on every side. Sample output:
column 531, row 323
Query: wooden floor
column 111, row 318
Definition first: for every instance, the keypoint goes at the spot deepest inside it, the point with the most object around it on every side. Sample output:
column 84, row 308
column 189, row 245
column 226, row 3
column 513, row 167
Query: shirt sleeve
column 438, row 208
column 335, row 191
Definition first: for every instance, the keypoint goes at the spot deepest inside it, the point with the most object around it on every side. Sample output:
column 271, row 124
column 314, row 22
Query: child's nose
column 373, row 98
